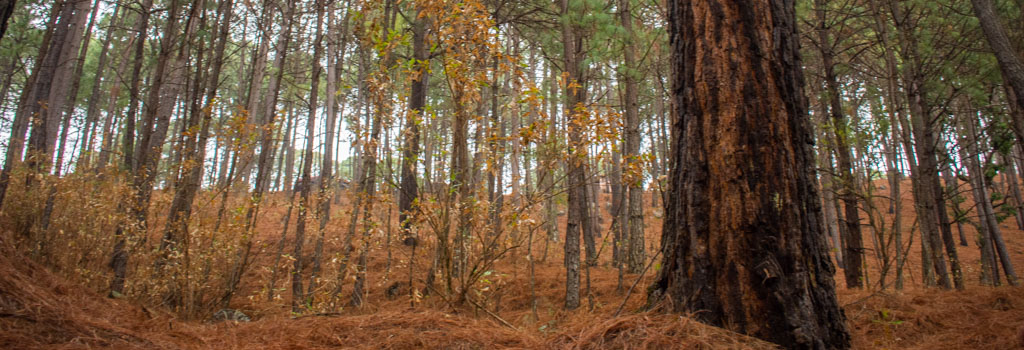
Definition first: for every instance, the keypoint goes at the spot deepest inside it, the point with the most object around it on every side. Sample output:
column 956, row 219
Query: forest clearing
column 477, row 174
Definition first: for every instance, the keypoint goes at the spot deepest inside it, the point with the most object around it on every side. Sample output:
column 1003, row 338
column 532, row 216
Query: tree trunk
column 157, row 117
column 617, row 209
column 113, row 117
column 93, row 108
column 64, row 50
column 742, row 238
column 575, row 96
column 43, row 105
column 1010, row 63
column 327, row 183
column 76, row 80
column 409, row 192
column 991, row 239
column 854, row 254
column 368, row 186
column 633, row 173
column 26, row 110
column 925, row 176
column 6, row 10
column 298, row 298
column 1010, row 175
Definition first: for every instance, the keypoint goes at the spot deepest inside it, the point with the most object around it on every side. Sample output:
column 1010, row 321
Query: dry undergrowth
column 40, row 310
column 51, row 301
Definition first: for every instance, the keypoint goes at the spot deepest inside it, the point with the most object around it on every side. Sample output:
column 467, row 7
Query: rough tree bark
column 743, row 241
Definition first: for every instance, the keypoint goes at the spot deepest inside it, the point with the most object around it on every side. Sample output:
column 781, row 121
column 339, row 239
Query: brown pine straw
column 40, row 309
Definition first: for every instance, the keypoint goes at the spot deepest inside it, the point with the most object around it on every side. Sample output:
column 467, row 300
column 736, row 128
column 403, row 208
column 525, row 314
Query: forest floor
column 40, row 308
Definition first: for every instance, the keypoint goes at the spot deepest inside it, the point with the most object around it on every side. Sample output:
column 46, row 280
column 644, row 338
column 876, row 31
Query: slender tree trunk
column 461, row 173
column 991, row 238
column 112, row 118
column 575, row 96
column 41, row 107
column 157, row 117
column 1010, row 175
column 830, row 210
column 946, row 228
column 368, row 190
column 72, row 98
column 299, row 299
column 128, row 144
column 285, row 136
column 617, row 208
column 925, row 178
column 633, row 173
column 27, row 110
column 854, row 254
column 93, row 109
column 256, row 116
column 1010, row 63
column 64, row 51
column 408, row 193
column 327, row 182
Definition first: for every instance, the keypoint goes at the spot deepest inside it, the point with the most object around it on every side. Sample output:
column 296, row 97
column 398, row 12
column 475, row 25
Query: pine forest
column 491, row 174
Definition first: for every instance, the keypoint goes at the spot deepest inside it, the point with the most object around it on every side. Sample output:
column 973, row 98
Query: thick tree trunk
column 742, row 238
